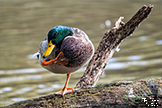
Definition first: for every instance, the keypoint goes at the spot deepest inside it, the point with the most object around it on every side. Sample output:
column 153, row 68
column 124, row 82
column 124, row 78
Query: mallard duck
column 64, row 51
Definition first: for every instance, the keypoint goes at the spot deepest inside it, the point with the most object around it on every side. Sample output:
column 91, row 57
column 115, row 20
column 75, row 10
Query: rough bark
column 123, row 94
column 108, row 45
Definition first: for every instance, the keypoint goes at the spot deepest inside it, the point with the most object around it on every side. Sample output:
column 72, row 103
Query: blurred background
column 25, row 23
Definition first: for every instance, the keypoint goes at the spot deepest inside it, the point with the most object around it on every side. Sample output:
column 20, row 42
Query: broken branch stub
column 108, row 45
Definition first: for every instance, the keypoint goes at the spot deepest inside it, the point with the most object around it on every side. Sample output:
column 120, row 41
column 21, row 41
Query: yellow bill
column 49, row 49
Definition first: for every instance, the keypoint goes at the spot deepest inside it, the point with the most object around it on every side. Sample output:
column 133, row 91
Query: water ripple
column 18, row 99
column 34, row 77
column 11, row 79
column 41, row 86
column 159, row 42
column 22, row 71
column 26, row 89
column 116, row 65
column 45, row 90
column 56, row 85
column 7, row 89
column 134, row 57
column 142, row 38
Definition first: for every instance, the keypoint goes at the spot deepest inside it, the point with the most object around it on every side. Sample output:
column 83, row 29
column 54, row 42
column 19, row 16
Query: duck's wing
column 78, row 48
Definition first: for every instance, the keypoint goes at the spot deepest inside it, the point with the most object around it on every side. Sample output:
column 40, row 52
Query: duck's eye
column 49, row 46
column 55, row 35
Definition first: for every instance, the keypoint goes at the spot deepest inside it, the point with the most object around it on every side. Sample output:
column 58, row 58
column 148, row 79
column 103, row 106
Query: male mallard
column 64, row 51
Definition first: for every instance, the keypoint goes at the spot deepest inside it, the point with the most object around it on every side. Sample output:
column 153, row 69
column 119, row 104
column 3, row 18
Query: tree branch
column 108, row 45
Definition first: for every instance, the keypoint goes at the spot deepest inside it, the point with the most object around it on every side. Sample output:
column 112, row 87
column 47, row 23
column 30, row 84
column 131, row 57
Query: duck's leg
column 65, row 89
column 60, row 59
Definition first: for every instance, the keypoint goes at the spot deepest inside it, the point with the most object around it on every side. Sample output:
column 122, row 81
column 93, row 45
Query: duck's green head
column 55, row 37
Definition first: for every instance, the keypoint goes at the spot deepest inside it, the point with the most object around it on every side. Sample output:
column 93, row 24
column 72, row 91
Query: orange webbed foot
column 60, row 60
column 64, row 91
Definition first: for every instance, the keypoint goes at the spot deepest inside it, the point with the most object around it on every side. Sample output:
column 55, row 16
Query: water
column 23, row 24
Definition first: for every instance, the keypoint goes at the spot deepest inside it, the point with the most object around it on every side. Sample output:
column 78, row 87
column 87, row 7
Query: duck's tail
column 36, row 55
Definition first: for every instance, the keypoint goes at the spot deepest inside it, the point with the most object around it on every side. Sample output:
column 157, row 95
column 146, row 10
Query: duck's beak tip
column 44, row 56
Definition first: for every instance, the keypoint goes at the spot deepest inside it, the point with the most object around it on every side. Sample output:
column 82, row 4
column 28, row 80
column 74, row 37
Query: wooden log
column 111, row 40
column 123, row 94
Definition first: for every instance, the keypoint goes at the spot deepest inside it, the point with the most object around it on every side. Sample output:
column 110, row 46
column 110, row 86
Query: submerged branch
column 108, row 45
